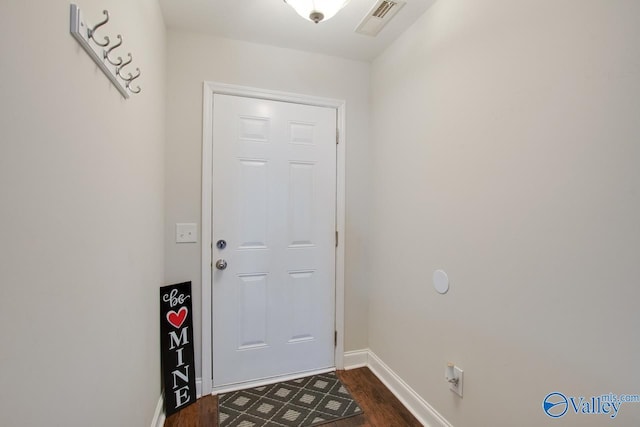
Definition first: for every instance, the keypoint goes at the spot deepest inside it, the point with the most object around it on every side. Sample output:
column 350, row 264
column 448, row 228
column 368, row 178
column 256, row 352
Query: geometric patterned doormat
column 309, row 401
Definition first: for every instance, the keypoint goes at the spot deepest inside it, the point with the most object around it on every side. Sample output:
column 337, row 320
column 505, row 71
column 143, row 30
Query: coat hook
column 108, row 51
column 122, row 65
column 92, row 31
column 132, row 78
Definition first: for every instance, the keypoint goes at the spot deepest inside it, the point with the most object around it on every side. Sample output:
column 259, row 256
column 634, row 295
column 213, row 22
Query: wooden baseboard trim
column 420, row 408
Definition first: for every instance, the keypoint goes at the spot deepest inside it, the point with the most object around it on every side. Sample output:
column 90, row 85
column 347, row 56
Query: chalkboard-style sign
column 176, row 340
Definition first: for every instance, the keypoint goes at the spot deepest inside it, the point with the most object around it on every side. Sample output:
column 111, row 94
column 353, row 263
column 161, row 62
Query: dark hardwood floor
column 380, row 406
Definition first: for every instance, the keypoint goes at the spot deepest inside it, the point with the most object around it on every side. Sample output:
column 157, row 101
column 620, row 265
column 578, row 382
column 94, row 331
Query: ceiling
column 275, row 23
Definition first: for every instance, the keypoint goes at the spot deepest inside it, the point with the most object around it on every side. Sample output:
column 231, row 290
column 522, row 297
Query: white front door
column 274, row 205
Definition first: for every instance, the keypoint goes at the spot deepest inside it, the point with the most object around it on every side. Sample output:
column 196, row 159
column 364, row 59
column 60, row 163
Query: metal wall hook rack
column 101, row 51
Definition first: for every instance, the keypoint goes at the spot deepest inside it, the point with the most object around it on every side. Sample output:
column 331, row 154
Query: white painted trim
column 198, row 388
column 158, row 416
column 206, row 239
column 252, row 92
column 341, row 209
column 420, row 408
column 209, row 89
column 356, row 359
column 267, row 381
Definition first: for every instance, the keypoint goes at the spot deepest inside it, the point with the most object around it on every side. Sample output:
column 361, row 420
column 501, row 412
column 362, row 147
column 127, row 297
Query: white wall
column 193, row 59
column 505, row 138
column 81, row 219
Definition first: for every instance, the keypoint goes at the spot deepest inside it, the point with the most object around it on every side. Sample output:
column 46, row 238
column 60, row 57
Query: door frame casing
column 209, row 90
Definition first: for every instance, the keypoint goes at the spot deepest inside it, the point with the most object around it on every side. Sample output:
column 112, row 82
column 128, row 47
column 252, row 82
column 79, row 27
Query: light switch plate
column 186, row 233
column 457, row 388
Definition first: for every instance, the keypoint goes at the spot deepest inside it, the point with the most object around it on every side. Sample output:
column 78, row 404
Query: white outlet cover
column 186, row 233
column 440, row 281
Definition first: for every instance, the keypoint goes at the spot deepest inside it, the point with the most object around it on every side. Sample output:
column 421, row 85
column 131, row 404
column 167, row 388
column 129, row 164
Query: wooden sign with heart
column 176, row 338
column 177, row 319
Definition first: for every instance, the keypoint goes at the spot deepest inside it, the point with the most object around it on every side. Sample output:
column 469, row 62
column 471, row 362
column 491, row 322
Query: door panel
column 274, row 175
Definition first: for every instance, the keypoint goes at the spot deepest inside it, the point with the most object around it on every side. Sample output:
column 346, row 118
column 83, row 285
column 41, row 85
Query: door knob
column 221, row 264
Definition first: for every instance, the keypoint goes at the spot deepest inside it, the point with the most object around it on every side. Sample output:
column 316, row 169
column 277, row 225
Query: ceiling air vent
column 379, row 15
column 382, row 10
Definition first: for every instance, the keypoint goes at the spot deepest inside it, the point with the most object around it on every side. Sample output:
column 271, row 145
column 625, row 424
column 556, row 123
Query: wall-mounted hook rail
column 100, row 51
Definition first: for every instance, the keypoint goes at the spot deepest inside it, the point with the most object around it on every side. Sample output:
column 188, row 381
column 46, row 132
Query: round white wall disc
column 441, row 281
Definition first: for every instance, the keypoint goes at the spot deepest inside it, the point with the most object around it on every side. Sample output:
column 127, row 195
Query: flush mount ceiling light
column 317, row 10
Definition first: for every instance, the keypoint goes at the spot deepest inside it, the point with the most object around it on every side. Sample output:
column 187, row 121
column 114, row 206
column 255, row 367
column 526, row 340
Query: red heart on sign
column 177, row 319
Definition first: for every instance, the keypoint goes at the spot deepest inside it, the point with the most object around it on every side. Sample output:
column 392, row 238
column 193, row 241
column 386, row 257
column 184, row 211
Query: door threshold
column 267, row 381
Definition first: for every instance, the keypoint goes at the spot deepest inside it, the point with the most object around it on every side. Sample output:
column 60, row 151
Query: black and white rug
column 308, row 401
